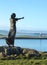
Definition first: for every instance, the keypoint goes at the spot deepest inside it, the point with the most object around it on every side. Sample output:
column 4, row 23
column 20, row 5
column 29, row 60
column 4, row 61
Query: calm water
column 40, row 45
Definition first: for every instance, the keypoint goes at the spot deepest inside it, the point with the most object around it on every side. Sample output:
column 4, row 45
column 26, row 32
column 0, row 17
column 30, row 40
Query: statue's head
column 13, row 15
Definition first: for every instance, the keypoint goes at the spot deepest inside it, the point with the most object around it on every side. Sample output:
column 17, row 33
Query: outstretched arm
column 19, row 18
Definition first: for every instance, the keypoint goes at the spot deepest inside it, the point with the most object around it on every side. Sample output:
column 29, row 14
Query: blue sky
column 34, row 12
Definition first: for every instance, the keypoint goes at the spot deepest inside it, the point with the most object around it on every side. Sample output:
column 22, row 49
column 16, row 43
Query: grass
column 19, row 60
column 23, row 62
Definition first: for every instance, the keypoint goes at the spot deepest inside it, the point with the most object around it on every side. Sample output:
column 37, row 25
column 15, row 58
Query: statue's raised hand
column 22, row 18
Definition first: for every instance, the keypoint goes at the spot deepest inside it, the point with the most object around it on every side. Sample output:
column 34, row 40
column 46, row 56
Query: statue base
column 12, row 51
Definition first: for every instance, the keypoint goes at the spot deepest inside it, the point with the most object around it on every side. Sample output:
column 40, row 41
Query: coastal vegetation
column 23, row 62
column 29, row 57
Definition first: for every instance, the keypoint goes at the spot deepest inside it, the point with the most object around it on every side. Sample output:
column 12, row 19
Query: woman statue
column 12, row 32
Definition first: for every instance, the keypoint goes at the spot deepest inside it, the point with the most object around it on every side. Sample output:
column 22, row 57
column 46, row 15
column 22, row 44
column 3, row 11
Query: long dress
column 12, row 32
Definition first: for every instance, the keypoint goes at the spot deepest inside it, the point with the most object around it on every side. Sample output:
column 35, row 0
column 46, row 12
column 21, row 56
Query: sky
column 34, row 12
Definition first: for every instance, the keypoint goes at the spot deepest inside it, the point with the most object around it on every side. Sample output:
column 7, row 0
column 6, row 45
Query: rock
column 30, row 52
column 13, row 50
column 19, row 49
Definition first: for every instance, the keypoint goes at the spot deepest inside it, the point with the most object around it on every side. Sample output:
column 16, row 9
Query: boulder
column 14, row 50
column 30, row 52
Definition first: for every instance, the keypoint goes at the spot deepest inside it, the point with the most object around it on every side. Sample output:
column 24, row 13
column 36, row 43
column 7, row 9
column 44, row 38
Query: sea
column 37, row 44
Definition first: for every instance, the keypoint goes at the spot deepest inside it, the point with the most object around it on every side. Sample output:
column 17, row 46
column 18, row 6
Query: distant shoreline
column 25, row 37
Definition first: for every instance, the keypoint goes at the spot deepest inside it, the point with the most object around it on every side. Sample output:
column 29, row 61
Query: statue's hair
column 13, row 15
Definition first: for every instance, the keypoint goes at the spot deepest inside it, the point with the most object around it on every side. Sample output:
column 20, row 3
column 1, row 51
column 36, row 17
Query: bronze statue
column 12, row 32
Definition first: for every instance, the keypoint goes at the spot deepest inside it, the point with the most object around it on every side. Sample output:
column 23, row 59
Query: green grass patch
column 23, row 62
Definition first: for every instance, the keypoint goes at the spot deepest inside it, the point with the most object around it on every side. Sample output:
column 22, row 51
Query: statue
column 12, row 32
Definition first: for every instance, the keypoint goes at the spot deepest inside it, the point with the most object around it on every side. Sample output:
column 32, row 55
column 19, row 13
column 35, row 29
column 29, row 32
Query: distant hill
column 3, row 32
column 25, row 32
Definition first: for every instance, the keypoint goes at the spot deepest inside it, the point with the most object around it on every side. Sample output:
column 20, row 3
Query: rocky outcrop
column 13, row 50
column 18, row 50
column 30, row 52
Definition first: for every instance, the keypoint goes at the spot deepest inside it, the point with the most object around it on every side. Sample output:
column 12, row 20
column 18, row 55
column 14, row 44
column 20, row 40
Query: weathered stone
column 30, row 52
column 13, row 50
